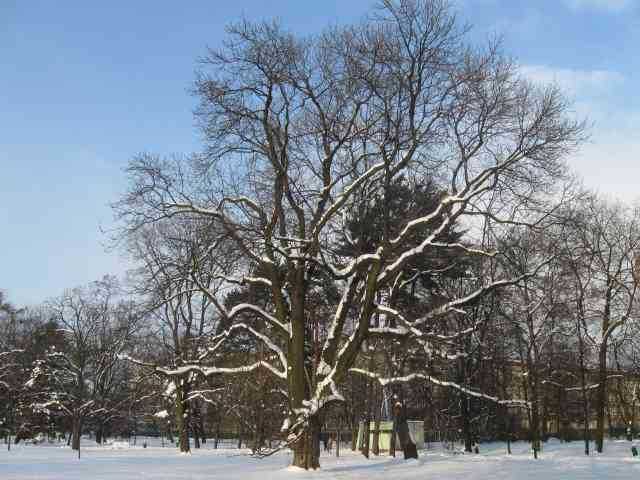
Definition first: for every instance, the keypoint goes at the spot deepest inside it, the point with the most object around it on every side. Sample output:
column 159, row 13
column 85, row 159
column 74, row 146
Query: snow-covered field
column 121, row 462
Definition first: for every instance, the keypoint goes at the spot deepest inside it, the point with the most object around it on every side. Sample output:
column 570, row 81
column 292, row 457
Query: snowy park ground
column 119, row 461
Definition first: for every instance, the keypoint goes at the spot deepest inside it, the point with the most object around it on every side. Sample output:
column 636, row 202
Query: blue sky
column 86, row 85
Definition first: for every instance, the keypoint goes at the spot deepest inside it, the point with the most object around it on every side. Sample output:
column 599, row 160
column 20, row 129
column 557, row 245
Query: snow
column 241, row 307
column 285, row 425
column 323, row 368
column 121, row 461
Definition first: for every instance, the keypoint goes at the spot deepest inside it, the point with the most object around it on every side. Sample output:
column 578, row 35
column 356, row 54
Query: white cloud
column 610, row 161
column 612, row 5
column 578, row 83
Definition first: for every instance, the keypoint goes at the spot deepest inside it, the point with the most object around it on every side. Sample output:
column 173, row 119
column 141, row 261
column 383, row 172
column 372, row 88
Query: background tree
column 605, row 240
column 77, row 381
column 176, row 266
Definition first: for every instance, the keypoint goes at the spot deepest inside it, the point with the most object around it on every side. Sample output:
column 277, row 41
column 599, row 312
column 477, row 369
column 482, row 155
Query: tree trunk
column 10, row 426
column 354, row 437
column 306, row 451
column 583, row 380
column 392, row 440
column 203, row 433
column 585, row 420
column 545, row 416
column 76, row 432
column 508, row 430
column 376, row 437
column 182, row 419
column 195, row 426
column 632, row 423
column 303, row 451
column 601, row 398
column 535, row 427
column 465, row 410
column 534, row 387
column 466, row 423
column 602, row 374
column 100, row 433
column 258, row 436
column 564, row 416
column 217, row 439
column 366, row 436
column 408, row 447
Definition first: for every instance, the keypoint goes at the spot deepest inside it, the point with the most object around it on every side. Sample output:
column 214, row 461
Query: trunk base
column 306, row 452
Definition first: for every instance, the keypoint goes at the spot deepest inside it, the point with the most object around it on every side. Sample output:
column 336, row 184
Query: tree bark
column 545, row 416
column 366, row 436
column 466, row 423
column 217, row 438
column 182, row 418
column 535, row 425
column 100, row 433
column 585, row 397
column 602, row 373
column 196, row 423
column 306, row 451
column 303, row 451
column 601, row 397
column 76, row 432
column 354, row 437
column 392, row 440
column 376, row 437
column 201, row 429
column 508, row 430
column 402, row 426
column 564, row 421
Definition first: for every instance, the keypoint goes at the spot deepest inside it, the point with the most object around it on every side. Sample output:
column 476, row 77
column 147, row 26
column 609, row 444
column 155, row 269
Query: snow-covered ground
column 119, row 461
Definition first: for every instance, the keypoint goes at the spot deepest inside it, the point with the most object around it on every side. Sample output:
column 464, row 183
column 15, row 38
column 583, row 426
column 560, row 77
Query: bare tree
column 176, row 266
column 77, row 379
column 531, row 310
column 300, row 130
column 604, row 243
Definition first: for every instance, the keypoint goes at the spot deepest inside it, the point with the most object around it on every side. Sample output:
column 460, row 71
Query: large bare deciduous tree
column 299, row 132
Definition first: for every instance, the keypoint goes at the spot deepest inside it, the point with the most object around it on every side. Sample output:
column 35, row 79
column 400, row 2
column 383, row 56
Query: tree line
column 381, row 216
